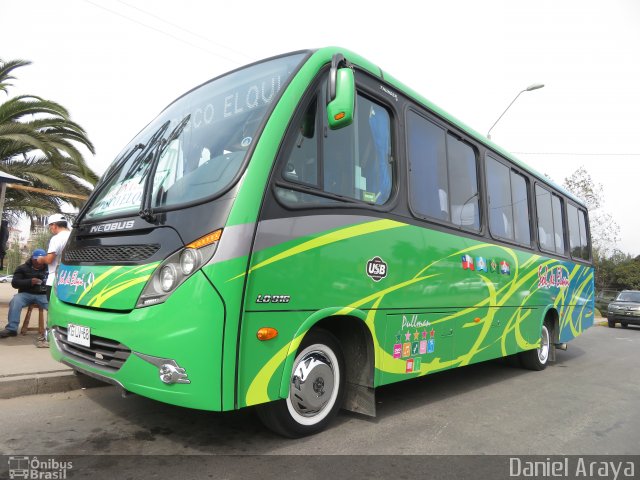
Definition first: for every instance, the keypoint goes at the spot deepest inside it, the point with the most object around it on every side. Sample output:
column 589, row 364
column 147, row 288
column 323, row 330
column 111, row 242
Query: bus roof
column 363, row 63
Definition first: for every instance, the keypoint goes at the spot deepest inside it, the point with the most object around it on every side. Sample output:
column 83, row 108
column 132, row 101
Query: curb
column 42, row 383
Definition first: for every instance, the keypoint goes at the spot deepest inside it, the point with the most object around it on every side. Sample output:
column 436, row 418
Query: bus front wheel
column 316, row 387
column 538, row 358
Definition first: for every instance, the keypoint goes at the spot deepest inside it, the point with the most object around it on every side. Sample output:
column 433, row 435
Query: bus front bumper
column 170, row 352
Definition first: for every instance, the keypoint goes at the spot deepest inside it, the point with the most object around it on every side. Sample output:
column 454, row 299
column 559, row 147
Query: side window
column 545, row 219
column 357, row 158
column 352, row 162
column 463, row 184
column 443, row 178
column 428, row 164
column 302, row 165
column 520, row 199
column 558, row 224
column 550, row 223
column 508, row 196
column 499, row 195
column 578, row 239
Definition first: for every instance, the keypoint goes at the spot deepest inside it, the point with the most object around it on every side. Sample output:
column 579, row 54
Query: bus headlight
column 168, row 277
column 188, row 260
column 176, row 269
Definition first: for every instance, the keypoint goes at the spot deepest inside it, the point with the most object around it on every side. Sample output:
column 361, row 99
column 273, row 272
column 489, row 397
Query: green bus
column 297, row 232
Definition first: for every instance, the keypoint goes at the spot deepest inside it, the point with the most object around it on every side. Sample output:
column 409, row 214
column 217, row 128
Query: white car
column 6, row 278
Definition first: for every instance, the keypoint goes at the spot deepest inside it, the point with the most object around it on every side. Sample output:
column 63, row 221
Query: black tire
column 624, row 324
column 318, row 370
column 612, row 324
column 537, row 359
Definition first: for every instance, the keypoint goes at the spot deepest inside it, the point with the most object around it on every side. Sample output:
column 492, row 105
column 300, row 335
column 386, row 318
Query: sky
column 115, row 64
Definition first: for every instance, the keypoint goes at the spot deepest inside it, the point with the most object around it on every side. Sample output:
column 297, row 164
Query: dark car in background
column 625, row 309
column 604, row 298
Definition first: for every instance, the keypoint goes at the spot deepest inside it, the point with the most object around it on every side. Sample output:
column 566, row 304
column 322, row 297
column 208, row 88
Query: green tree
column 627, row 274
column 39, row 142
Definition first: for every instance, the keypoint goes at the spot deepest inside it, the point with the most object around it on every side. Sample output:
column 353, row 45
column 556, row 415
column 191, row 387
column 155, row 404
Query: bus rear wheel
column 316, row 387
column 538, row 358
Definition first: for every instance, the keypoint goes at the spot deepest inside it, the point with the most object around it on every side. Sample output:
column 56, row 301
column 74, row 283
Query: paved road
column 586, row 403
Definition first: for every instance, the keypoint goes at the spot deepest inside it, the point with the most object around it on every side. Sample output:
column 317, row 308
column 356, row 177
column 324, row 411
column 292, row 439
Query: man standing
column 29, row 279
column 59, row 228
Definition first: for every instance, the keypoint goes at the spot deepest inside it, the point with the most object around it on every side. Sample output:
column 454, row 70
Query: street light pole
column 535, row 86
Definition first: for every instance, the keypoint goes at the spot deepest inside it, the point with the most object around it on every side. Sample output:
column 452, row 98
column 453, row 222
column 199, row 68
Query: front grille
column 102, row 353
column 120, row 253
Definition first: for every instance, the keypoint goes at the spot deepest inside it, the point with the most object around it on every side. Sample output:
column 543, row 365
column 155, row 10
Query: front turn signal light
column 266, row 333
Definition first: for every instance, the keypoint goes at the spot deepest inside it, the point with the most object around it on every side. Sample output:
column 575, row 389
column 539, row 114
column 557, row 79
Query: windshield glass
column 629, row 297
column 196, row 146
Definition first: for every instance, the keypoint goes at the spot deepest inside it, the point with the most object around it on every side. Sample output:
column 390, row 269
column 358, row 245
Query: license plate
column 79, row 334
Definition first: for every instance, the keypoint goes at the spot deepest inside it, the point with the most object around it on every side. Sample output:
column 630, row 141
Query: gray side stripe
column 236, row 240
column 235, row 243
column 275, row 232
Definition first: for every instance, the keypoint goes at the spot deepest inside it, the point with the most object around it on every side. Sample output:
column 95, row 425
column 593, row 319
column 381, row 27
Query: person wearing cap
column 59, row 228
column 29, row 278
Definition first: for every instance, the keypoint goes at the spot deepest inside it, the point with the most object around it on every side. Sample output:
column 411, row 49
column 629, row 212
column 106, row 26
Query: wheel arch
column 551, row 314
column 356, row 341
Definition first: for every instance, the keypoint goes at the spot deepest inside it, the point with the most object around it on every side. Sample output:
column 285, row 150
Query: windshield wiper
column 147, row 210
column 119, row 163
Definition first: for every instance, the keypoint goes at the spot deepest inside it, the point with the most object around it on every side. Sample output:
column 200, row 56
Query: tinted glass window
column 443, row 174
column 463, row 184
column 584, row 243
column 357, row 158
column 545, row 219
column 499, row 195
column 520, row 198
column 550, row 222
column 558, row 224
column 302, row 166
column 352, row 162
column 578, row 240
column 428, row 164
column 508, row 196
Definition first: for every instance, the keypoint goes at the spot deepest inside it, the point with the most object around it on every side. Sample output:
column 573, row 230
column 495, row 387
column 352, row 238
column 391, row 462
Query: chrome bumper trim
column 97, row 376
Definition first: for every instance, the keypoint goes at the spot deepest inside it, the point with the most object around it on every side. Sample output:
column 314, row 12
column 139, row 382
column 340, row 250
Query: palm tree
column 39, row 142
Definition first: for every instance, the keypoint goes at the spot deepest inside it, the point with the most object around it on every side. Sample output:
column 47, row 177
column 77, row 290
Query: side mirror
column 341, row 95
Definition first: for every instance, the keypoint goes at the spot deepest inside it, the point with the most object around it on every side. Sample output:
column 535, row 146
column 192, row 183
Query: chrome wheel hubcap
column 543, row 351
column 312, row 383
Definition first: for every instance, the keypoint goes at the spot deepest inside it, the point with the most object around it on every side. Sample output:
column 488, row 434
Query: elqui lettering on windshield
column 241, row 100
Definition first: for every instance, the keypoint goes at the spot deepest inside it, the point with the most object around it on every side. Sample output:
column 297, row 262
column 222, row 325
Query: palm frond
column 39, row 142
column 5, row 72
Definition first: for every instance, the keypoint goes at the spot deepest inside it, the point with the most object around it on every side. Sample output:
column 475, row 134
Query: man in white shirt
column 59, row 228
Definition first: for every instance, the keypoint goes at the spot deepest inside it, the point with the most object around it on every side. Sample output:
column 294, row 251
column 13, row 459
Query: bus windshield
column 196, row 146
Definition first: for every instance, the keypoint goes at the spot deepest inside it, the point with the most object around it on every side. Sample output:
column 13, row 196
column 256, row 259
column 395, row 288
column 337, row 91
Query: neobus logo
column 376, row 269
column 111, row 227
column 389, row 92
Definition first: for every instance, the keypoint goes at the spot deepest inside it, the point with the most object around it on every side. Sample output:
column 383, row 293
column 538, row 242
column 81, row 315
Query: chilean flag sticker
column 467, row 262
